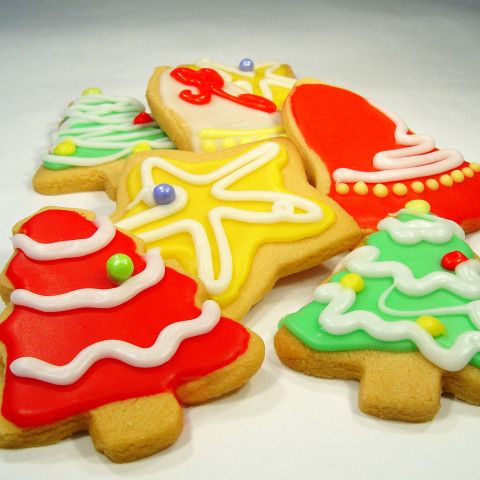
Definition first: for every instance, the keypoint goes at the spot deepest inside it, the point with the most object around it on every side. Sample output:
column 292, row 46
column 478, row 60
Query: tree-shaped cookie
column 89, row 148
column 401, row 315
column 98, row 337
column 239, row 219
column 369, row 161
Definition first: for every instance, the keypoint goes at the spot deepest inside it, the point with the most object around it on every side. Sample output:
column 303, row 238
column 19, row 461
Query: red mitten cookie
column 113, row 349
column 371, row 163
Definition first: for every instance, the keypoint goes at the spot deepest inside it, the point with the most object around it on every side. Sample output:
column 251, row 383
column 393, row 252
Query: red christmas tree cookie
column 113, row 347
column 371, row 163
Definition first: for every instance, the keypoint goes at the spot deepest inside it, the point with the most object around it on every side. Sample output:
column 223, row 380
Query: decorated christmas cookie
column 202, row 112
column 371, row 163
column 272, row 80
column 239, row 219
column 96, row 135
column 401, row 314
column 99, row 337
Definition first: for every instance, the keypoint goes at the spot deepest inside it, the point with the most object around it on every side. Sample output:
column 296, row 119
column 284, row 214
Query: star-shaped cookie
column 239, row 219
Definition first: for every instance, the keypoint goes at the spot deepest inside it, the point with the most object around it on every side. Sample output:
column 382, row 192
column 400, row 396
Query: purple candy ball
column 246, row 65
column 163, row 194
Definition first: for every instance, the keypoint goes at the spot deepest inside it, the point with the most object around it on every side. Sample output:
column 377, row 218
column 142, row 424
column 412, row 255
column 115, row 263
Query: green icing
column 422, row 259
column 149, row 133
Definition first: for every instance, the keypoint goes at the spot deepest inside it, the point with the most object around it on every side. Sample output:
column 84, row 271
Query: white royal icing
column 271, row 79
column 429, row 228
column 219, row 113
column 96, row 297
column 415, row 159
column 112, row 128
column 163, row 349
column 283, row 207
column 67, row 248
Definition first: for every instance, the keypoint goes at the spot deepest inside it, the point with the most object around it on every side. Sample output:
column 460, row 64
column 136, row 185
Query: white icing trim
column 414, row 160
column 67, row 248
column 282, row 209
column 164, row 348
column 270, row 78
column 336, row 319
column 113, row 129
column 96, row 297
column 429, row 228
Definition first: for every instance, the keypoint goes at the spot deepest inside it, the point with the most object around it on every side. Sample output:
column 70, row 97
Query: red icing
column 451, row 259
column 141, row 118
column 208, row 83
column 345, row 130
column 58, row 337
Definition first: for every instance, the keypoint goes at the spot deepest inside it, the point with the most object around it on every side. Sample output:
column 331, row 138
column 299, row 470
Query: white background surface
column 419, row 60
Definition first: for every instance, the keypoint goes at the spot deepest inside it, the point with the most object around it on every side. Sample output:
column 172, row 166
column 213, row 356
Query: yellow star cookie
column 239, row 219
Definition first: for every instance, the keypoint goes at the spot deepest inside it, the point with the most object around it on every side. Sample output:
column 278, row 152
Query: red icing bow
column 209, row 82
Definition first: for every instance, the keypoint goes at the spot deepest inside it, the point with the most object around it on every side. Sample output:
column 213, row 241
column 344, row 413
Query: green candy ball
column 119, row 267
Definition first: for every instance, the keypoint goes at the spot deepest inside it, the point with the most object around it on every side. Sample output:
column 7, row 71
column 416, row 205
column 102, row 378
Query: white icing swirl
column 67, row 248
column 112, row 128
column 96, row 297
column 415, row 159
column 429, row 228
column 163, row 349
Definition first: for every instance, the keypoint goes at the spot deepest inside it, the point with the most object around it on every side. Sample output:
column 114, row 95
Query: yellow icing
column 380, row 190
column 432, row 184
column 353, row 281
column 400, row 189
column 457, row 176
column 360, row 188
column 418, row 206
column 417, row 187
column 446, row 180
column 213, row 139
column 342, row 188
column 475, row 166
column 244, row 239
column 141, row 147
column 432, row 325
column 468, row 172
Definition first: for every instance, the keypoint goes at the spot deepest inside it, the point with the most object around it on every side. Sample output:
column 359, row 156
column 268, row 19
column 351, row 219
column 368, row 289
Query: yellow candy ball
column 66, row 147
column 353, row 281
column 417, row 187
column 92, row 91
column 418, row 206
column 475, row 166
column 342, row 188
column 446, row 180
column 432, row 184
column 468, row 172
column 360, row 188
column 457, row 176
column 432, row 325
column 141, row 147
column 380, row 190
column 400, row 189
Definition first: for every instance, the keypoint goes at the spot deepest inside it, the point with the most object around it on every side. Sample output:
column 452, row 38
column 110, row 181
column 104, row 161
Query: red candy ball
column 451, row 259
column 142, row 117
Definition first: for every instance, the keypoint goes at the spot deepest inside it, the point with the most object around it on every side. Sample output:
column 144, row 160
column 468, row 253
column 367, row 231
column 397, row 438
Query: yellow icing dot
column 400, row 189
column 360, row 188
column 353, row 281
column 380, row 190
column 432, row 184
column 228, row 142
column 446, row 180
column 66, row 147
column 468, row 172
column 457, row 176
column 475, row 167
column 432, row 325
column 92, row 91
column 417, row 187
column 141, row 147
column 418, row 206
column 208, row 146
column 342, row 188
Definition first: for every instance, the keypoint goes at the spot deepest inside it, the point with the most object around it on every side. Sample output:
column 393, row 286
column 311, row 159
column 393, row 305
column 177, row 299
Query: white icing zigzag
column 163, row 349
column 67, row 248
column 415, row 159
column 96, row 297
column 282, row 209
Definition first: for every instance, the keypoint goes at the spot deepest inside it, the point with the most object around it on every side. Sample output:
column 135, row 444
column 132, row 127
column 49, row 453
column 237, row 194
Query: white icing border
column 163, row 349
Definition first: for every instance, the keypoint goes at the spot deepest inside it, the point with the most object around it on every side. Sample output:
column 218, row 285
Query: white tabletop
column 420, row 61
